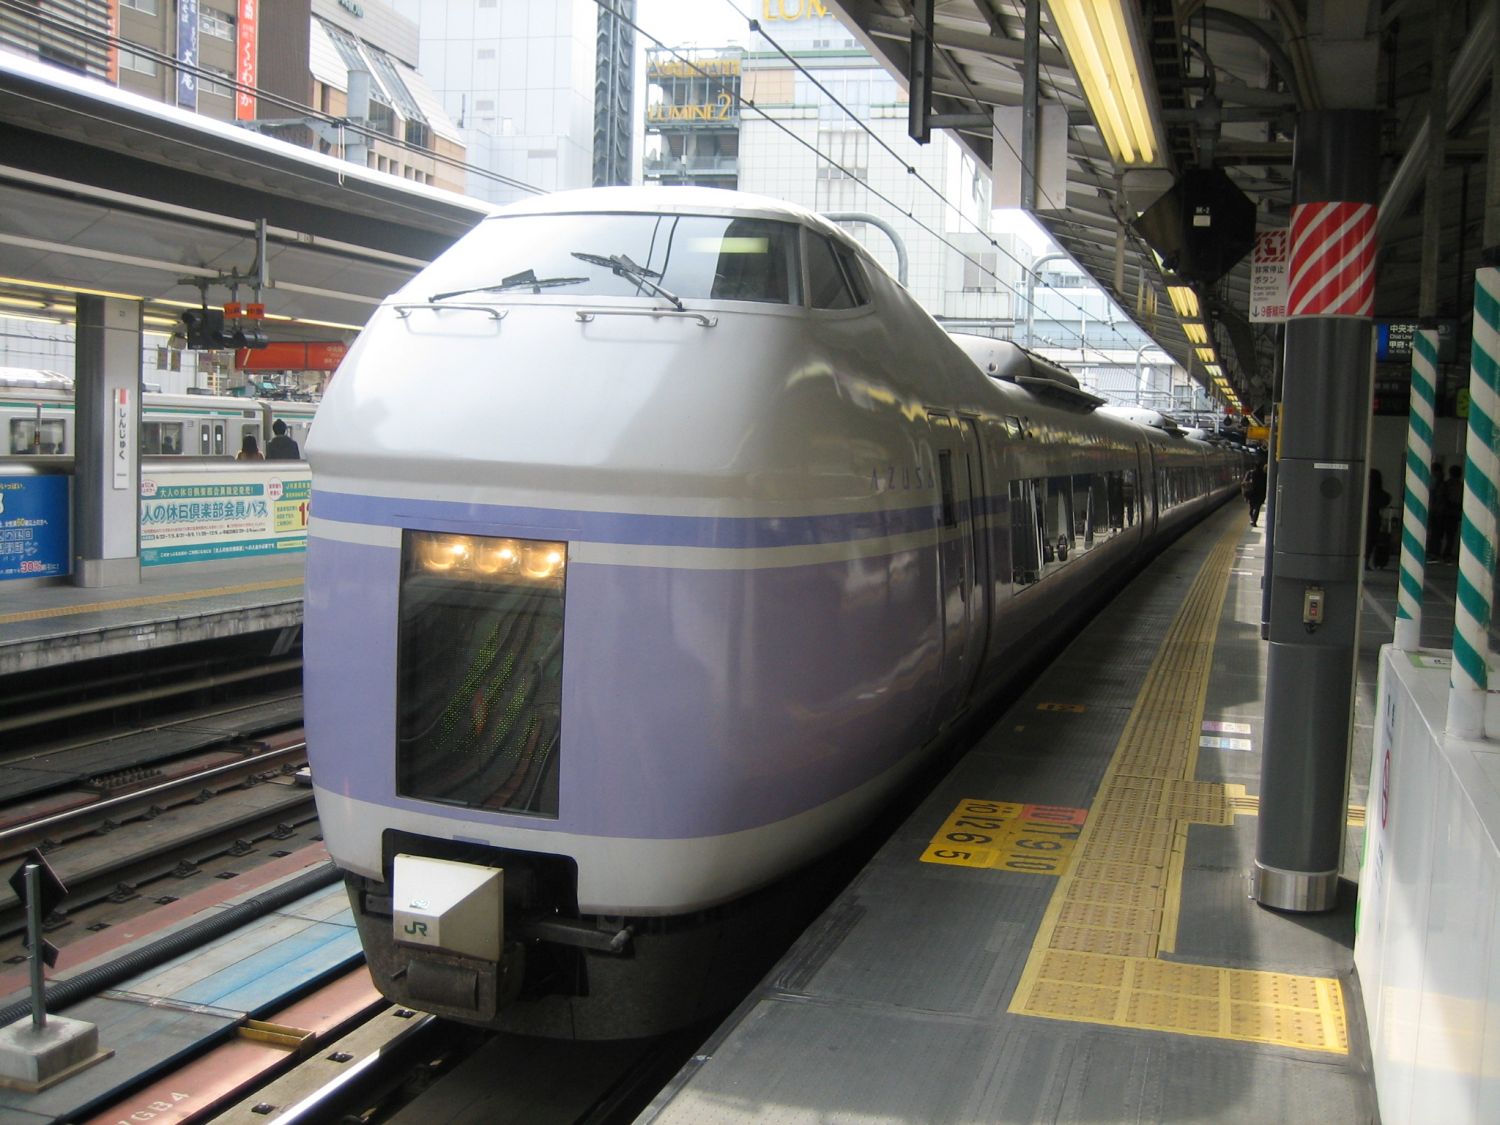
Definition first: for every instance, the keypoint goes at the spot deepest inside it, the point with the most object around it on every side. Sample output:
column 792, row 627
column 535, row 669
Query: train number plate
column 1007, row 836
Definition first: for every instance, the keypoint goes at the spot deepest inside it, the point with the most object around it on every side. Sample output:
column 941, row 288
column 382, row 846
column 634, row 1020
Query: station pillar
column 1319, row 511
column 106, row 425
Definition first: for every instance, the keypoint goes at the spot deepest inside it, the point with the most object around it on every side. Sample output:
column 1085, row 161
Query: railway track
column 230, row 802
column 206, row 797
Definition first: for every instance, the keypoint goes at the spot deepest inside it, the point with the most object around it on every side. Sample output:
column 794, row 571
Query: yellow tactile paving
column 1096, row 954
column 1245, row 804
column 154, row 599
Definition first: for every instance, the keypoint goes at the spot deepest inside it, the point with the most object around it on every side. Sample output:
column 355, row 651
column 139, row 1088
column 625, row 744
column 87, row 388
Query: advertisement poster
column 33, row 527
column 247, row 60
column 187, row 53
column 195, row 517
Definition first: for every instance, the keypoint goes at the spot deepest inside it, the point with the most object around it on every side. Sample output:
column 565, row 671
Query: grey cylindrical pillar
column 106, row 428
column 1319, row 540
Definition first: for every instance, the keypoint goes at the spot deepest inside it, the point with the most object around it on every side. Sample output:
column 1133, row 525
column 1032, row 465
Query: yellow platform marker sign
column 1006, row 836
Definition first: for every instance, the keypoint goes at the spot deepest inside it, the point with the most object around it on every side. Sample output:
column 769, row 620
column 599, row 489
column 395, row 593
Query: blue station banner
column 34, row 527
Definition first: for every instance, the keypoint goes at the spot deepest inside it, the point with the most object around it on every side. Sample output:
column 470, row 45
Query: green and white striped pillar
column 1416, row 510
column 1476, row 551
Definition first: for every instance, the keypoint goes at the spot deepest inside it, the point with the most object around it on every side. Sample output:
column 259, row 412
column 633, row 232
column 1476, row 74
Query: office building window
column 141, row 64
column 215, row 23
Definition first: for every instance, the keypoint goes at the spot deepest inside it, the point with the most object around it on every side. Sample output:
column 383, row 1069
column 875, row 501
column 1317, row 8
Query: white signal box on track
column 457, row 907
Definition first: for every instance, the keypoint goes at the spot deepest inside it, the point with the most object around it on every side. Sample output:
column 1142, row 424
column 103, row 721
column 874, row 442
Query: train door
column 960, row 562
column 211, row 439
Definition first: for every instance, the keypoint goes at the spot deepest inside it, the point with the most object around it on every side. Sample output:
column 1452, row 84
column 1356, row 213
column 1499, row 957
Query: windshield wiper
column 526, row 279
column 624, row 267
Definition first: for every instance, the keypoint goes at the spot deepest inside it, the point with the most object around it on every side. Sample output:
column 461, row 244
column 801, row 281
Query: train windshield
column 690, row 256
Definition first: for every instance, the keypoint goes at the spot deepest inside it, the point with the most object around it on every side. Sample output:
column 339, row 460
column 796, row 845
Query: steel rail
column 28, row 835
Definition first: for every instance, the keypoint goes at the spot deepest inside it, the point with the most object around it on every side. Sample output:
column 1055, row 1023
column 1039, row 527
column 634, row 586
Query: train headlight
column 497, row 556
column 443, row 553
column 488, row 558
column 543, row 561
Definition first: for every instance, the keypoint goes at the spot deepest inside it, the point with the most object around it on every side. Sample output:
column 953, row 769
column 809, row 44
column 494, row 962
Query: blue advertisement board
column 34, row 527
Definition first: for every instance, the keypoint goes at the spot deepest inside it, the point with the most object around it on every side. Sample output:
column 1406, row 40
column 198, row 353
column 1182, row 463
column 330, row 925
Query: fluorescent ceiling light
column 1196, row 333
column 67, row 288
column 29, row 317
column 1184, row 300
column 1102, row 45
column 1214, row 369
column 1205, row 354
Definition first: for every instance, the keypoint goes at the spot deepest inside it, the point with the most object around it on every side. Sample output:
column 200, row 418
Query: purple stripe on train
column 619, row 527
column 667, row 678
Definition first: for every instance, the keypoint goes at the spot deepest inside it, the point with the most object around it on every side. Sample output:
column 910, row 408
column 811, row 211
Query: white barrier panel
column 1427, row 948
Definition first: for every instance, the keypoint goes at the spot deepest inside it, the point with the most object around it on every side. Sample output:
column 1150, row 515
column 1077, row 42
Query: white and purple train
column 727, row 535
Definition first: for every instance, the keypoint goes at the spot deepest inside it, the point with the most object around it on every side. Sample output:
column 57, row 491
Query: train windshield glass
column 479, row 685
column 691, row 256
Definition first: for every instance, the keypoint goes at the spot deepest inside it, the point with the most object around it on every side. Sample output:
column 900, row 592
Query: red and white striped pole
column 1333, row 260
column 1319, row 539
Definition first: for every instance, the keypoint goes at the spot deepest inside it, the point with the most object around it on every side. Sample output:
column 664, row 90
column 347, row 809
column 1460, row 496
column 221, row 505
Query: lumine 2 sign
column 793, row 9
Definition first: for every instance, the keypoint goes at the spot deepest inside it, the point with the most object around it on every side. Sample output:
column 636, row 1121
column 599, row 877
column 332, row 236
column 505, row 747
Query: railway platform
column 46, row 626
column 1062, row 931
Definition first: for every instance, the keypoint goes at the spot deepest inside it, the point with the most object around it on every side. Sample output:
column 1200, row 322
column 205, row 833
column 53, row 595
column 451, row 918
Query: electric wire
column 715, row 81
column 757, row 29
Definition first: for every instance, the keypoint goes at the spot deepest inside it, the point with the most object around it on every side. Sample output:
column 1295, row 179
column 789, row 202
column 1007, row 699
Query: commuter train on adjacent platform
column 657, row 537
column 36, row 412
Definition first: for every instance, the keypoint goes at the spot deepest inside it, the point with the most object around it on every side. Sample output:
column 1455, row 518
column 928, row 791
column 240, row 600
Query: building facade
column 518, row 77
column 693, row 117
column 280, row 66
column 283, row 67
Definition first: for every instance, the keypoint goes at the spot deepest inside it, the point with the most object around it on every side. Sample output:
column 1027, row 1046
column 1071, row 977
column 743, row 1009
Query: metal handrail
column 404, row 310
column 586, row 315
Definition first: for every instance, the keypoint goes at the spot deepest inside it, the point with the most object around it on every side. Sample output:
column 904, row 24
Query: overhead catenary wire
column 756, row 28
column 716, row 82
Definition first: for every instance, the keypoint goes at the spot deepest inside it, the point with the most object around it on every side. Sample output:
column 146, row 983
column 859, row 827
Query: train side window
column 1083, row 510
column 1013, row 427
column 27, row 436
column 1057, row 532
column 1101, row 525
column 945, row 479
column 161, row 438
column 827, row 288
column 218, row 439
column 1025, row 551
column 205, row 442
column 854, row 274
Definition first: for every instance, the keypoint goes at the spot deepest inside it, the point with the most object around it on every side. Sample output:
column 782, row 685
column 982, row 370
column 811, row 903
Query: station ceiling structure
column 1220, row 85
column 108, row 193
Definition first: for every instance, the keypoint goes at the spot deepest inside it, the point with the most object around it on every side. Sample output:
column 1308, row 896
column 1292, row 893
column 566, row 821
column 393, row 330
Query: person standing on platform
column 249, row 450
column 1450, row 513
column 1377, row 538
column 281, row 447
column 1254, row 488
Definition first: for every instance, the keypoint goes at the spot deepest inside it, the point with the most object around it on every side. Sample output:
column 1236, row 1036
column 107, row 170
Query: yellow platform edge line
column 154, row 599
column 1194, row 628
